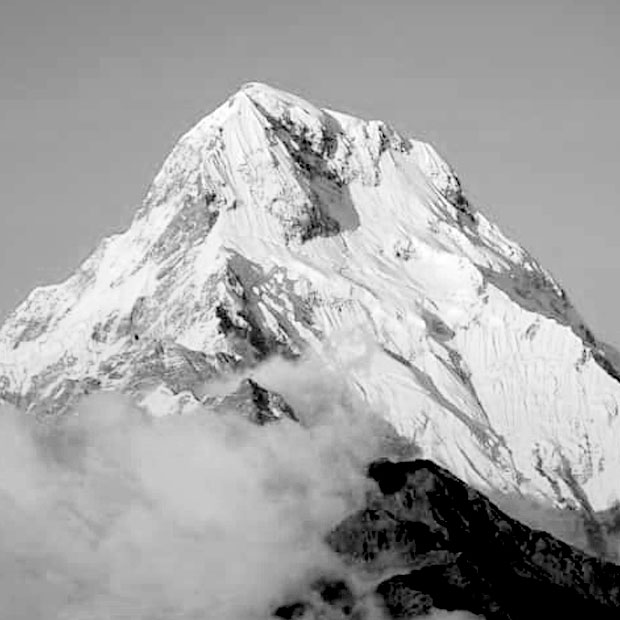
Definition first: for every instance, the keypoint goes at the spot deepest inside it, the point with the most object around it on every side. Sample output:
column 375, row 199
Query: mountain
column 427, row 541
column 275, row 228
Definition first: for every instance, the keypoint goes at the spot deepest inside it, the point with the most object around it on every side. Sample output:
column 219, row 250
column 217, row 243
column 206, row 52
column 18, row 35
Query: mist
column 109, row 513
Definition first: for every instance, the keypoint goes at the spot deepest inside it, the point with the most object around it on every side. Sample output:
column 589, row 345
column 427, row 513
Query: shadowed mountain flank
column 447, row 546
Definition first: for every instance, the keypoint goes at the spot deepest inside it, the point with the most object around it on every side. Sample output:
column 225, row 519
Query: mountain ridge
column 430, row 541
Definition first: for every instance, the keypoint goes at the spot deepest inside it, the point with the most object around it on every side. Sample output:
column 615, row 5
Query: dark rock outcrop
column 328, row 598
column 433, row 541
column 255, row 403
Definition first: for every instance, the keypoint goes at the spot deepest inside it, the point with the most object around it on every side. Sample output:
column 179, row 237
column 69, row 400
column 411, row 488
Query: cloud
column 112, row 514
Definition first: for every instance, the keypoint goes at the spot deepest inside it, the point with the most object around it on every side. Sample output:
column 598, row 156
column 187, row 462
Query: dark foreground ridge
column 427, row 540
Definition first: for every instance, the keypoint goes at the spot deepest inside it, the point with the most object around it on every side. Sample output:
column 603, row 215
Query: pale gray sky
column 521, row 96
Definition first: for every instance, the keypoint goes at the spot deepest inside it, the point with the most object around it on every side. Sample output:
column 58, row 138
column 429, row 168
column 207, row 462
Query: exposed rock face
column 253, row 402
column 275, row 227
column 328, row 597
column 430, row 540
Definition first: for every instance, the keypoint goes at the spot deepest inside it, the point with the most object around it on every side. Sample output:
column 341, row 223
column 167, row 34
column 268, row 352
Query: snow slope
column 274, row 227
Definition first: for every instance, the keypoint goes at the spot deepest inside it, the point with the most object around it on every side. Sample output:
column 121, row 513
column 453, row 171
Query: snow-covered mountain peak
column 275, row 227
column 273, row 99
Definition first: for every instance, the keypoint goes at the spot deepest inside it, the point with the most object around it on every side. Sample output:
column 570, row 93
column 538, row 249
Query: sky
column 522, row 97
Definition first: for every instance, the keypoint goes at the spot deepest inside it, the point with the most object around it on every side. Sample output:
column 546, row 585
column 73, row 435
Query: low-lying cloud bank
column 112, row 514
